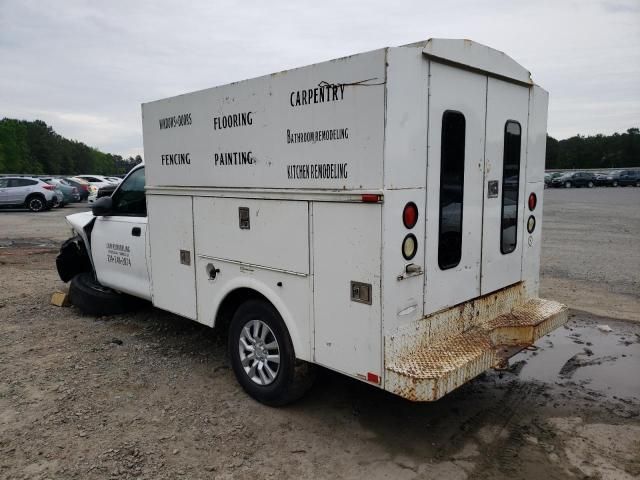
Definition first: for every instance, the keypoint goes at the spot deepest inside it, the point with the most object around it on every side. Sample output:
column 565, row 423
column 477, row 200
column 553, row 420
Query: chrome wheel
column 259, row 352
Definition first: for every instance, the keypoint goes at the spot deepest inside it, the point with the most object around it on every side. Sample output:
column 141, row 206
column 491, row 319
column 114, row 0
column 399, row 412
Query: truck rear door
column 506, row 126
column 475, row 179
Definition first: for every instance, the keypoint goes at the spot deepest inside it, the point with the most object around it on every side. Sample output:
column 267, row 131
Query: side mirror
column 102, row 206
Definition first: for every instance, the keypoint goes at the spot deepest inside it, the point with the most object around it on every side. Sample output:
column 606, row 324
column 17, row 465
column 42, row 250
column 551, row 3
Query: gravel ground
column 150, row 395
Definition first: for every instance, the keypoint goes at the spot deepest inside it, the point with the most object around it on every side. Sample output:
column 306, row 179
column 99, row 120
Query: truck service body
column 385, row 206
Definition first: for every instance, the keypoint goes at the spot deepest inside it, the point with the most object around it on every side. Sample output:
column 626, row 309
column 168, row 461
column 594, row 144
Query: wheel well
column 31, row 195
column 231, row 303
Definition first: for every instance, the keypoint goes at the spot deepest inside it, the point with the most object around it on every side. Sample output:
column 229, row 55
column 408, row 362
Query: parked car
column 608, row 179
column 115, row 180
column 102, row 192
column 629, row 177
column 548, row 177
column 28, row 192
column 81, row 185
column 574, row 179
column 69, row 193
column 96, row 180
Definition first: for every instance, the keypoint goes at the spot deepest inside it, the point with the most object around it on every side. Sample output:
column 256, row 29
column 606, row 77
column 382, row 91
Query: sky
column 84, row 67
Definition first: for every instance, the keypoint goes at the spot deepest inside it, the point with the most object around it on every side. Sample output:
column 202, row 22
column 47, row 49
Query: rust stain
column 431, row 358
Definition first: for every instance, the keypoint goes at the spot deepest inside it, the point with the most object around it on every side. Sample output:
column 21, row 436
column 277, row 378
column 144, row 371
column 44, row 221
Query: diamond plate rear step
column 429, row 370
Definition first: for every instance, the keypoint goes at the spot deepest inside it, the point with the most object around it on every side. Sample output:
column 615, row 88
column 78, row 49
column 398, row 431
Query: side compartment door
column 346, row 249
column 455, row 168
column 119, row 240
column 172, row 254
column 507, row 115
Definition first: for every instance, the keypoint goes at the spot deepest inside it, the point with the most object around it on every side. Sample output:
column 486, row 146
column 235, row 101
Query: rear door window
column 451, row 189
column 510, row 187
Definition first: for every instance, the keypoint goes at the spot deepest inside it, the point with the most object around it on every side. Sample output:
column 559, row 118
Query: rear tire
column 615, row 183
column 36, row 203
column 567, row 184
column 92, row 298
column 590, row 184
column 262, row 355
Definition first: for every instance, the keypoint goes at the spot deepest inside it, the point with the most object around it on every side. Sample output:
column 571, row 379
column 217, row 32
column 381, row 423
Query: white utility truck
column 378, row 215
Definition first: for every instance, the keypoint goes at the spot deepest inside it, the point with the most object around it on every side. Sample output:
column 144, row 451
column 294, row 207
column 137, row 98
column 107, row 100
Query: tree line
column 35, row 148
column 597, row 151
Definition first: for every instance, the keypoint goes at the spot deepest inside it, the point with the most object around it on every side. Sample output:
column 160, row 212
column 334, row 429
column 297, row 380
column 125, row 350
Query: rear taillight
column 531, row 224
column 410, row 215
column 533, row 201
column 370, row 198
column 409, row 246
column 48, row 187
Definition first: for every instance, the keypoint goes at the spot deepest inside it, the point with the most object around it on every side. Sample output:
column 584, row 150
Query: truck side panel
column 536, row 151
column 172, row 254
column 274, row 234
column 347, row 244
column 320, row 126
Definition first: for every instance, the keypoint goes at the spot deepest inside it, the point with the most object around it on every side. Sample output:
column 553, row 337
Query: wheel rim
column 567, row 185
column 35, row 204
column 259, row 352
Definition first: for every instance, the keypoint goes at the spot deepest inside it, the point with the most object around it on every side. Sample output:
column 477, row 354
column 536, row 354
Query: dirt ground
column 151, row 396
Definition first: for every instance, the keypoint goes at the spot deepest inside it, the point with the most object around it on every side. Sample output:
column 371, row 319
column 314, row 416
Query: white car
column 29, row 192
column 96, row 180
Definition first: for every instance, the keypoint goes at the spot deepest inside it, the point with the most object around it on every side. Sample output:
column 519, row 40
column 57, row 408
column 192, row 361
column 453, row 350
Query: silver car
column 28, row 192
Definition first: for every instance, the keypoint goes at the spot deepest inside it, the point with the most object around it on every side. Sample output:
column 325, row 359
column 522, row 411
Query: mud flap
column 72, row 259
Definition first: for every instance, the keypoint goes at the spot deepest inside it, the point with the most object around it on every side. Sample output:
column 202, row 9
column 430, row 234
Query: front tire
column 567, row 184
column 262, row 355
column 92, row 298
column 590, row 184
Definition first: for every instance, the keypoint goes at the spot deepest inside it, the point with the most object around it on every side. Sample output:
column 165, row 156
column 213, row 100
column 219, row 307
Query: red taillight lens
column 533, row 201
column 410, row 215
column 48, row 187
column 370, row 198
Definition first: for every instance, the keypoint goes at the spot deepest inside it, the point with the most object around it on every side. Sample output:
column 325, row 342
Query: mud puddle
column 586, row 353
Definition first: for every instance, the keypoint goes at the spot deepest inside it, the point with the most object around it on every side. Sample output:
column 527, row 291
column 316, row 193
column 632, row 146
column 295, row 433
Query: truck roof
column 475, row 56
